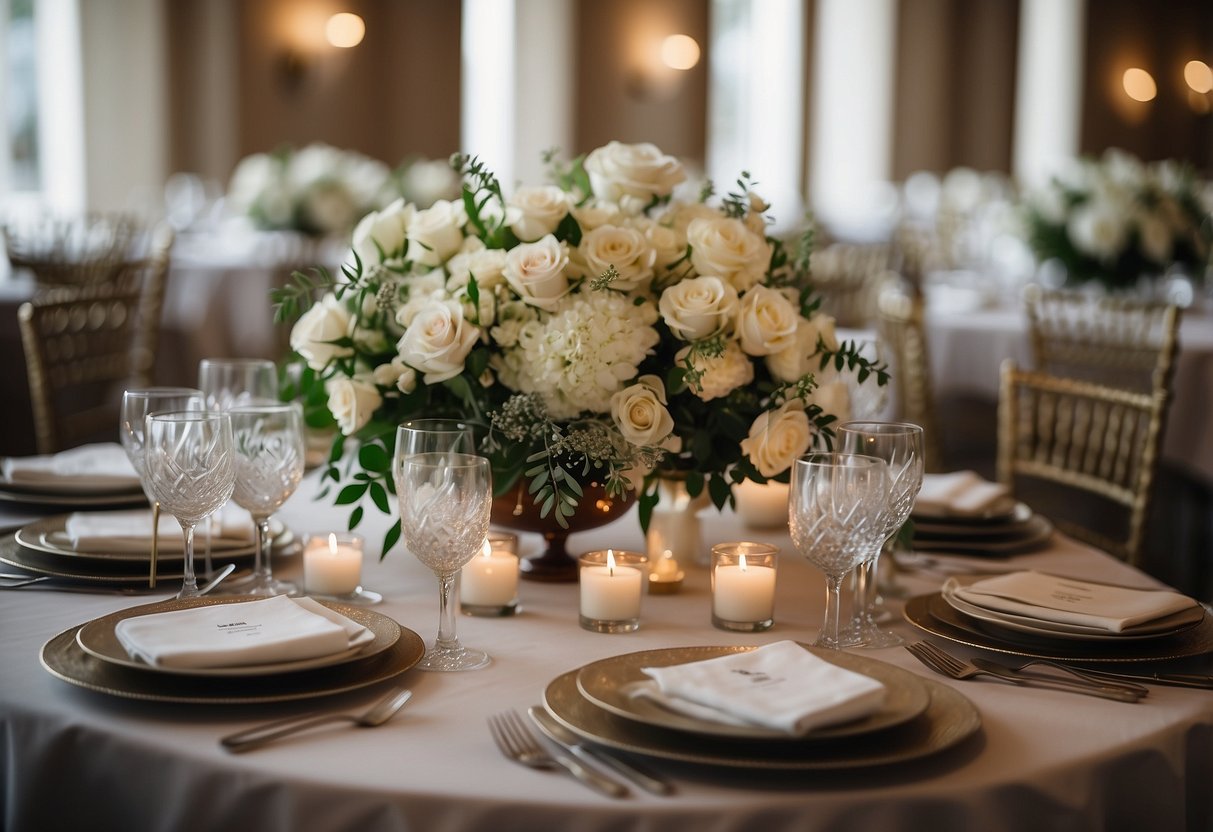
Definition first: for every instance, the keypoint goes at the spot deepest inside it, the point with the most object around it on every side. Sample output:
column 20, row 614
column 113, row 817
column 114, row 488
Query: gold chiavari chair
column 903, row 339
column 61, row 250
column 847, row 277
column 84, row 343
column 1074, row 448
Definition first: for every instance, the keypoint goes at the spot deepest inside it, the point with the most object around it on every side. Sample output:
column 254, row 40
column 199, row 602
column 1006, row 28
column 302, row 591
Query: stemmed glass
column 191, row 472
column 900, row 445
column 268, row 443
column 833, row 504
column 419, row 436
column 445, row 500
column 136, row 405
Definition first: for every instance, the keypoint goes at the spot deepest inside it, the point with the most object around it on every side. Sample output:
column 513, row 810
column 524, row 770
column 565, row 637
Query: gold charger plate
column 43, row 499
column 944, row 526
column 1032, row 536
column 98, row 638
column 63, row 659
column 49, row 535
column 932, row 614
column 948, row 720
column 608, row 684
column 95, row 572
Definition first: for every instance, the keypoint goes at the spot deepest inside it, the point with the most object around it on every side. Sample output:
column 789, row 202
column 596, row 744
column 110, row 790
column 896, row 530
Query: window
column 19, row 169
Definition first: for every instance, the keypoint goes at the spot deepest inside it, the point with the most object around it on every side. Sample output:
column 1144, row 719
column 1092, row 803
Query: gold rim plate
column 608, row 684
column 1004, row 511
column 931, row 614
column 125, row 499
column 94, row 572
column 948, row 720
column 49, row 535
column 69, row 487
column 97, row 638
column 1033, row 535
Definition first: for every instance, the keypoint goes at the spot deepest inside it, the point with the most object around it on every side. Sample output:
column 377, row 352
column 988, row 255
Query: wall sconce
column 658, row 73
column 309, row 40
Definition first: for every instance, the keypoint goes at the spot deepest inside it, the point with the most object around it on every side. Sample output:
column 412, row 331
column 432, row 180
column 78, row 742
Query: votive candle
column 743, row 586
column 332, row 564
column 612, row 582
column 488, row 583
column 762, row 505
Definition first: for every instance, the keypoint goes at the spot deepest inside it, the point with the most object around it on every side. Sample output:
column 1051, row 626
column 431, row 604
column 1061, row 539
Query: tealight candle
column 665, row 575
column 762, row 505
column 612, row 583
column 332, row 564
column 743, row 586
column 488, row 583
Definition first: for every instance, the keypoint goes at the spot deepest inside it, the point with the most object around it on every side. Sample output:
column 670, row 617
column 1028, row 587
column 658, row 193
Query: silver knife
column 1183, row 680
column 1055, row 683
column 566, row 739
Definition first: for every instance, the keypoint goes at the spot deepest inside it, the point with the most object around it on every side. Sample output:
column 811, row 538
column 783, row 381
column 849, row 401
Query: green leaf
column 355, row 518
column 351, row 494
column 389, row 539
column 372, row 457
column 379, row 497
column 718, row 488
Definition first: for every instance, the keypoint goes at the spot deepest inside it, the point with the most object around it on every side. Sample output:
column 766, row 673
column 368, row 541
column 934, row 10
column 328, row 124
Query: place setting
column 963, row 513
column 89, row 476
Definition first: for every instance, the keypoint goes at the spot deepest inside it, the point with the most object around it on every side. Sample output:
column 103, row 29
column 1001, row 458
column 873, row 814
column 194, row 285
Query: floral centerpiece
column 1115, row 220
column 596, row 326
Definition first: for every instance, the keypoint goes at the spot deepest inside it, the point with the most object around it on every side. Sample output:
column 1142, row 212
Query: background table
column 1044, row 759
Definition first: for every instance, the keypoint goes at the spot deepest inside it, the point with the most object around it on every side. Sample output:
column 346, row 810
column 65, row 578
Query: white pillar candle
column 744, row 592
column 611, row 591
column 762, row 505
column 332, row 566
column 490, row 579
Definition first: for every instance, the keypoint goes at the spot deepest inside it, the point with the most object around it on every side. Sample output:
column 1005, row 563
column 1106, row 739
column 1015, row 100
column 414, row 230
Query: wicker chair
column 903, row 339
column 1074, row 448
column 84, row 343
column 90, row 248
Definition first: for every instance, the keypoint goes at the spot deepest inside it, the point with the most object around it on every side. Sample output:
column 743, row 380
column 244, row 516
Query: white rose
column 542, row 208
column 438, row 341
column 754, row 219
column 682, row 215
column 641, row 415
column 352, row 402
column 396, row 374
column 777, row 439
column 436, row 233
column 698, row 307
column 666, row 242
column 253, row 175
column 637, row 170
column 725, row 247
column 623, row 248
column 487, row 265
column 327, row 207
column 599, row 213
column 326, row 321
column 719, row 375
column 1098, row 230
column 766, row 321
column 380, row 236
column 799, row 358
column 536, row 272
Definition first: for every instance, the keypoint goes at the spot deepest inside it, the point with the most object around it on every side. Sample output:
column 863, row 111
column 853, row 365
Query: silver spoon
column 376, row 715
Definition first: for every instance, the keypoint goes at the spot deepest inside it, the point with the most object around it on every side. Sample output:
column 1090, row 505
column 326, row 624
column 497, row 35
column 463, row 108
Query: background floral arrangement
column 595, row 326
column 1116, row 220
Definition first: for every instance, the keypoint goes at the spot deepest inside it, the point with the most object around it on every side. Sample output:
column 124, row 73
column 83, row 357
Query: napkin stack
column 1057, row 600
column 103, row 465
column 131, row 531
column 277, row 629
column 780, row 686
column 959, row 494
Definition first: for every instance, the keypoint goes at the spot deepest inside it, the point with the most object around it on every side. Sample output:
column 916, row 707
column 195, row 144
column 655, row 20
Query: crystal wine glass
column 900, row 445
column 445, row 500
column 190, row 470
column 834, row 502
column 137, row 403
column 268, row 440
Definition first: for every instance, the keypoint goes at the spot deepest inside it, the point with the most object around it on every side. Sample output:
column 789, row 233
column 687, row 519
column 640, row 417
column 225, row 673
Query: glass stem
column 189, row 583
column 864, row 576
column 261, row 560
column 155, row 555
column 833, row 603
column 210, row 530
column 447, row 640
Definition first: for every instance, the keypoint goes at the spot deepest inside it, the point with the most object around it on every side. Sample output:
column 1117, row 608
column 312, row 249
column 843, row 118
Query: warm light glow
column 1199, row 76
column 610, row 561
column 333, row 544
column 741, row 563
column 487, row 549
column 345, row 30
column 1139, row 84
column 679, row 52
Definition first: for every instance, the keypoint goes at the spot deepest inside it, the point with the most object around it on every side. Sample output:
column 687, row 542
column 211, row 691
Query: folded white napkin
column 780, row 686
column 1069, row 601
column 278, row 629
column 131, row 531
column 960, row 493
column 103, row 465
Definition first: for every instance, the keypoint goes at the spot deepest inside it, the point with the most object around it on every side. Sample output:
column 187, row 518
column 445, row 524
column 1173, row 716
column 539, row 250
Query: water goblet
column 268, row 446
column 190, row 472
column 900, row 445
column 445, row 500
column 419, row 436
column 834, row 501
column 137, row 403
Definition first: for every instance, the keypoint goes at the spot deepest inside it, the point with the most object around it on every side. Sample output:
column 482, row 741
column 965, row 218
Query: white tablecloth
column 71, row 759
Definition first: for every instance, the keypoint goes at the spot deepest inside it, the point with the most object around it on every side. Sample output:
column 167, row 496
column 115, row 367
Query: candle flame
column 487, row 549
column 610, row 561
column 741, row 562
column 332, row 544
column 667, row 554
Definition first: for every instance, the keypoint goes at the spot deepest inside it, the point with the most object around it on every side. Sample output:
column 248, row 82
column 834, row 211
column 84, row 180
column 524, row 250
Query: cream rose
column 436, row 233
column 640, row 413
column 721, row 374
column 636, row 170
column 725, row 247
column 599, row 213
column 766, row 321
column 326, row 321
column 625, row 249
column 698, row 307
column 1098, row 229
column 778, row 438
column 438, row 341
column 535, row 271
column 381, row 236
column 541, row 209
column 799, row 358
column 352, row 401
column 396, row 374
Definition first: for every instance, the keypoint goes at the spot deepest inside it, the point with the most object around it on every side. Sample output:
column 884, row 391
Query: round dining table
column 1042, row 759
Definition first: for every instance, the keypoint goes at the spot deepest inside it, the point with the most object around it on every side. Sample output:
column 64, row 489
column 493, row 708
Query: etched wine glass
column 900, row 445
column 268, row 445
column 190, row 471
column 137, row 403
column 445, row 500
column 832, row 508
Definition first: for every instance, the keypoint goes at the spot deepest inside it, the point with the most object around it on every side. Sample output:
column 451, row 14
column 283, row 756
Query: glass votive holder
column 488, row 583
column 762, row 505
column 332, row 568
column 743, row 586
column 612, row 583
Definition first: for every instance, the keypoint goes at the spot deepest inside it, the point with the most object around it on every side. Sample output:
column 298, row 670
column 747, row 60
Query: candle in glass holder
column 665, row 574
column 332, row 564
column 612, row 582
column 488, row 583
column 762, row 505
column 743, row 586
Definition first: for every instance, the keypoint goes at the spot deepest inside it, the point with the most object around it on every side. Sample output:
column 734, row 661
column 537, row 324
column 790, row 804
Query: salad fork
column 517, row 743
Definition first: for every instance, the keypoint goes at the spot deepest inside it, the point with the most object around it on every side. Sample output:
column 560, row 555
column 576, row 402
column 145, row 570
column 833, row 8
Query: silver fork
column 948, row 665
column 517, row 743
